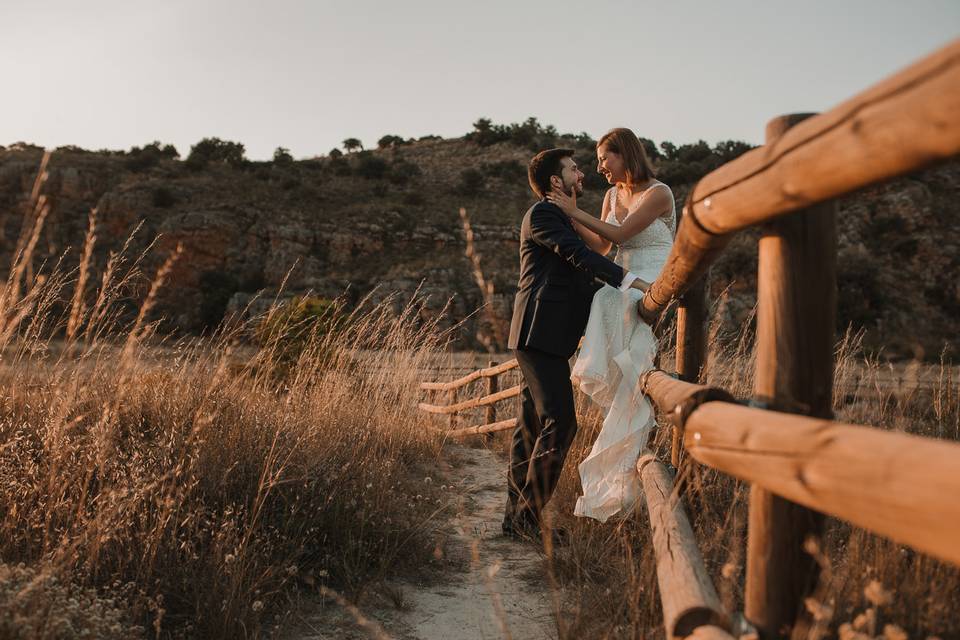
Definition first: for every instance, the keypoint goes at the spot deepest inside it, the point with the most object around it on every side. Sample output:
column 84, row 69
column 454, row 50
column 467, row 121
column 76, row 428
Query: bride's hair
column 624, row 142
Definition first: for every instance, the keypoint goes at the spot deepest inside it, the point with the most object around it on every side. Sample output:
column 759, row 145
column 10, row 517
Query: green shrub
column 471, row 182
column 371, row 167
column 508, row 170
column 291, row 329
column 163, row 198
column 217, row 151
column 401, row 172
column 390, row 140
column 352, row 144
column 281, row 156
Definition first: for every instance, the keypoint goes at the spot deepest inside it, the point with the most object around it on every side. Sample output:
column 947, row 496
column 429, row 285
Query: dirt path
column 495, row 588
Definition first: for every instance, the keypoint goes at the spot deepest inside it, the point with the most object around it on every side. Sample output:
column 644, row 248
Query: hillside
column 387, row 220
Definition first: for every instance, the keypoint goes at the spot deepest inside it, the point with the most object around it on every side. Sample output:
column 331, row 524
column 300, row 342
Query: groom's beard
column 573, row 189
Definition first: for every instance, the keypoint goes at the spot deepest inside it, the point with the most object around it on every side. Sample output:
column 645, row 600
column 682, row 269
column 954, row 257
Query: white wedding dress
column 618, row 347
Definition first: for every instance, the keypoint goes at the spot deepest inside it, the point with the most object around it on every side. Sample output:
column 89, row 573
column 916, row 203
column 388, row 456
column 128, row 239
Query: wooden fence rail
column 900, row 486
column 900, row 125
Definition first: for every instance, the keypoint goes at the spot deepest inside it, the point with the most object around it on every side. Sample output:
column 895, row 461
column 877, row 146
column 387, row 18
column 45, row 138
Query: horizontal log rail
column 676, row 398
column 473, row 403
column 493, row 427
column 901, row 486
column 470, row 377
column 687, row 594
column 901, row 124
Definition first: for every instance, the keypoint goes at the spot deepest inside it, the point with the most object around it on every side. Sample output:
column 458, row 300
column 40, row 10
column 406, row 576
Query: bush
column 339, row 166
column 163, row 198
column 67, row 148
column 389, row 141
column 690, row 162
column 141, row 159
column 217, row 151
column 297, row 324
column 858, row 271
column 508, row 170
column 371, row 167
column 401, row 172
column 529, row 133
column 471, row 182
column 352, row 144
column 281, row 156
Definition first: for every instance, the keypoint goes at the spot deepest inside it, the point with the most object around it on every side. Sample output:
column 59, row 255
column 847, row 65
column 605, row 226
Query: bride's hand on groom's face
column 566, row 203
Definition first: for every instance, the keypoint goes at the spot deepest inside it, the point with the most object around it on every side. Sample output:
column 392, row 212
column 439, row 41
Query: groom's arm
column 548, row 230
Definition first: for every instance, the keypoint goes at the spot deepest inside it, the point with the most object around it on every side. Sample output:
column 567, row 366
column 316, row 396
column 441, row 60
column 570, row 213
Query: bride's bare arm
column 591, row 238
column 638, row 219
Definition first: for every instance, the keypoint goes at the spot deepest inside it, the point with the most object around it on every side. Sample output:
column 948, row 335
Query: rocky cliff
column 387, row 221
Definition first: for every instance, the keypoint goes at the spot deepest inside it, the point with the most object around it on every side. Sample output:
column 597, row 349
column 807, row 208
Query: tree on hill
column 352, row 144
column 141, row 159
column 390, row 140
column 281, row 156
column 335, row 153
column 218, row 151
column 689, row 162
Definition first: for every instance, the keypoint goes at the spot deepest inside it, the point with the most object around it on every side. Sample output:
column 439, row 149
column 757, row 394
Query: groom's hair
column 542, row 166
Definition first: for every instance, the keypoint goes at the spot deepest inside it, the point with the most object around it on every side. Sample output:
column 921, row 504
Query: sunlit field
column 190, row 488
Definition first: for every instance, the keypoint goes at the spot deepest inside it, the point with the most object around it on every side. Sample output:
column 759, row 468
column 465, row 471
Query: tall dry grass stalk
column 609, row 572
column 497, row 325
column 187, row 488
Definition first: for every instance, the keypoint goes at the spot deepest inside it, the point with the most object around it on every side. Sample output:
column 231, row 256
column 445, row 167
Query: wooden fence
column 800, row 463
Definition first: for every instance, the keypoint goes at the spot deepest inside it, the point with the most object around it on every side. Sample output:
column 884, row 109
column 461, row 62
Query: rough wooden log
column 503, row 425
column 709, row 632
column 900, row 486
column 471, row 404
column 676, row 398
column 906, row 122
column 452, row 401
column 470, row 377
column 796, row 312
column 687, row 595
column 493, row 386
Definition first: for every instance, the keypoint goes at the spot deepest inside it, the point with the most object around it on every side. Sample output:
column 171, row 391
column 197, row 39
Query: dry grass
column 180, row 491
column 608, row 571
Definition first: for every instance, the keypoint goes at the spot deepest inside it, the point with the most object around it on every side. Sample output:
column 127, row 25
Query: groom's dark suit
column 556, row 287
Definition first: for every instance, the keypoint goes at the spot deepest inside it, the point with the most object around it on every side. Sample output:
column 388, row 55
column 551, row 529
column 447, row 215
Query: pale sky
column 307, row 74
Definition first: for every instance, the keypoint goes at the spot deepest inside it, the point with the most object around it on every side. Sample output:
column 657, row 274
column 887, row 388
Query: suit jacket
column 557, row 282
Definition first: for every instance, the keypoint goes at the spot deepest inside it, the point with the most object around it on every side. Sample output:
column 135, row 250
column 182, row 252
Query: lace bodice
column 645, row 253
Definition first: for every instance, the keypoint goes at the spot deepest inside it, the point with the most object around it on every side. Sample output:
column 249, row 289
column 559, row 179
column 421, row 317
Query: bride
column 638, row 217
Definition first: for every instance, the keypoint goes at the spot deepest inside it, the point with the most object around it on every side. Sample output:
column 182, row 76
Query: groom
column 556, row 287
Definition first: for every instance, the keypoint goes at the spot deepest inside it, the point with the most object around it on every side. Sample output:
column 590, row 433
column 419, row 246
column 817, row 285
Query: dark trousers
column 545, row 429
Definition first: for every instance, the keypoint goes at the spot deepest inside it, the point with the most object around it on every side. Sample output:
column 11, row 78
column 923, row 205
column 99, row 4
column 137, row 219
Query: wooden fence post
column 493, row 386
column 796, row 294
column 691, row 351
column 451, row 400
